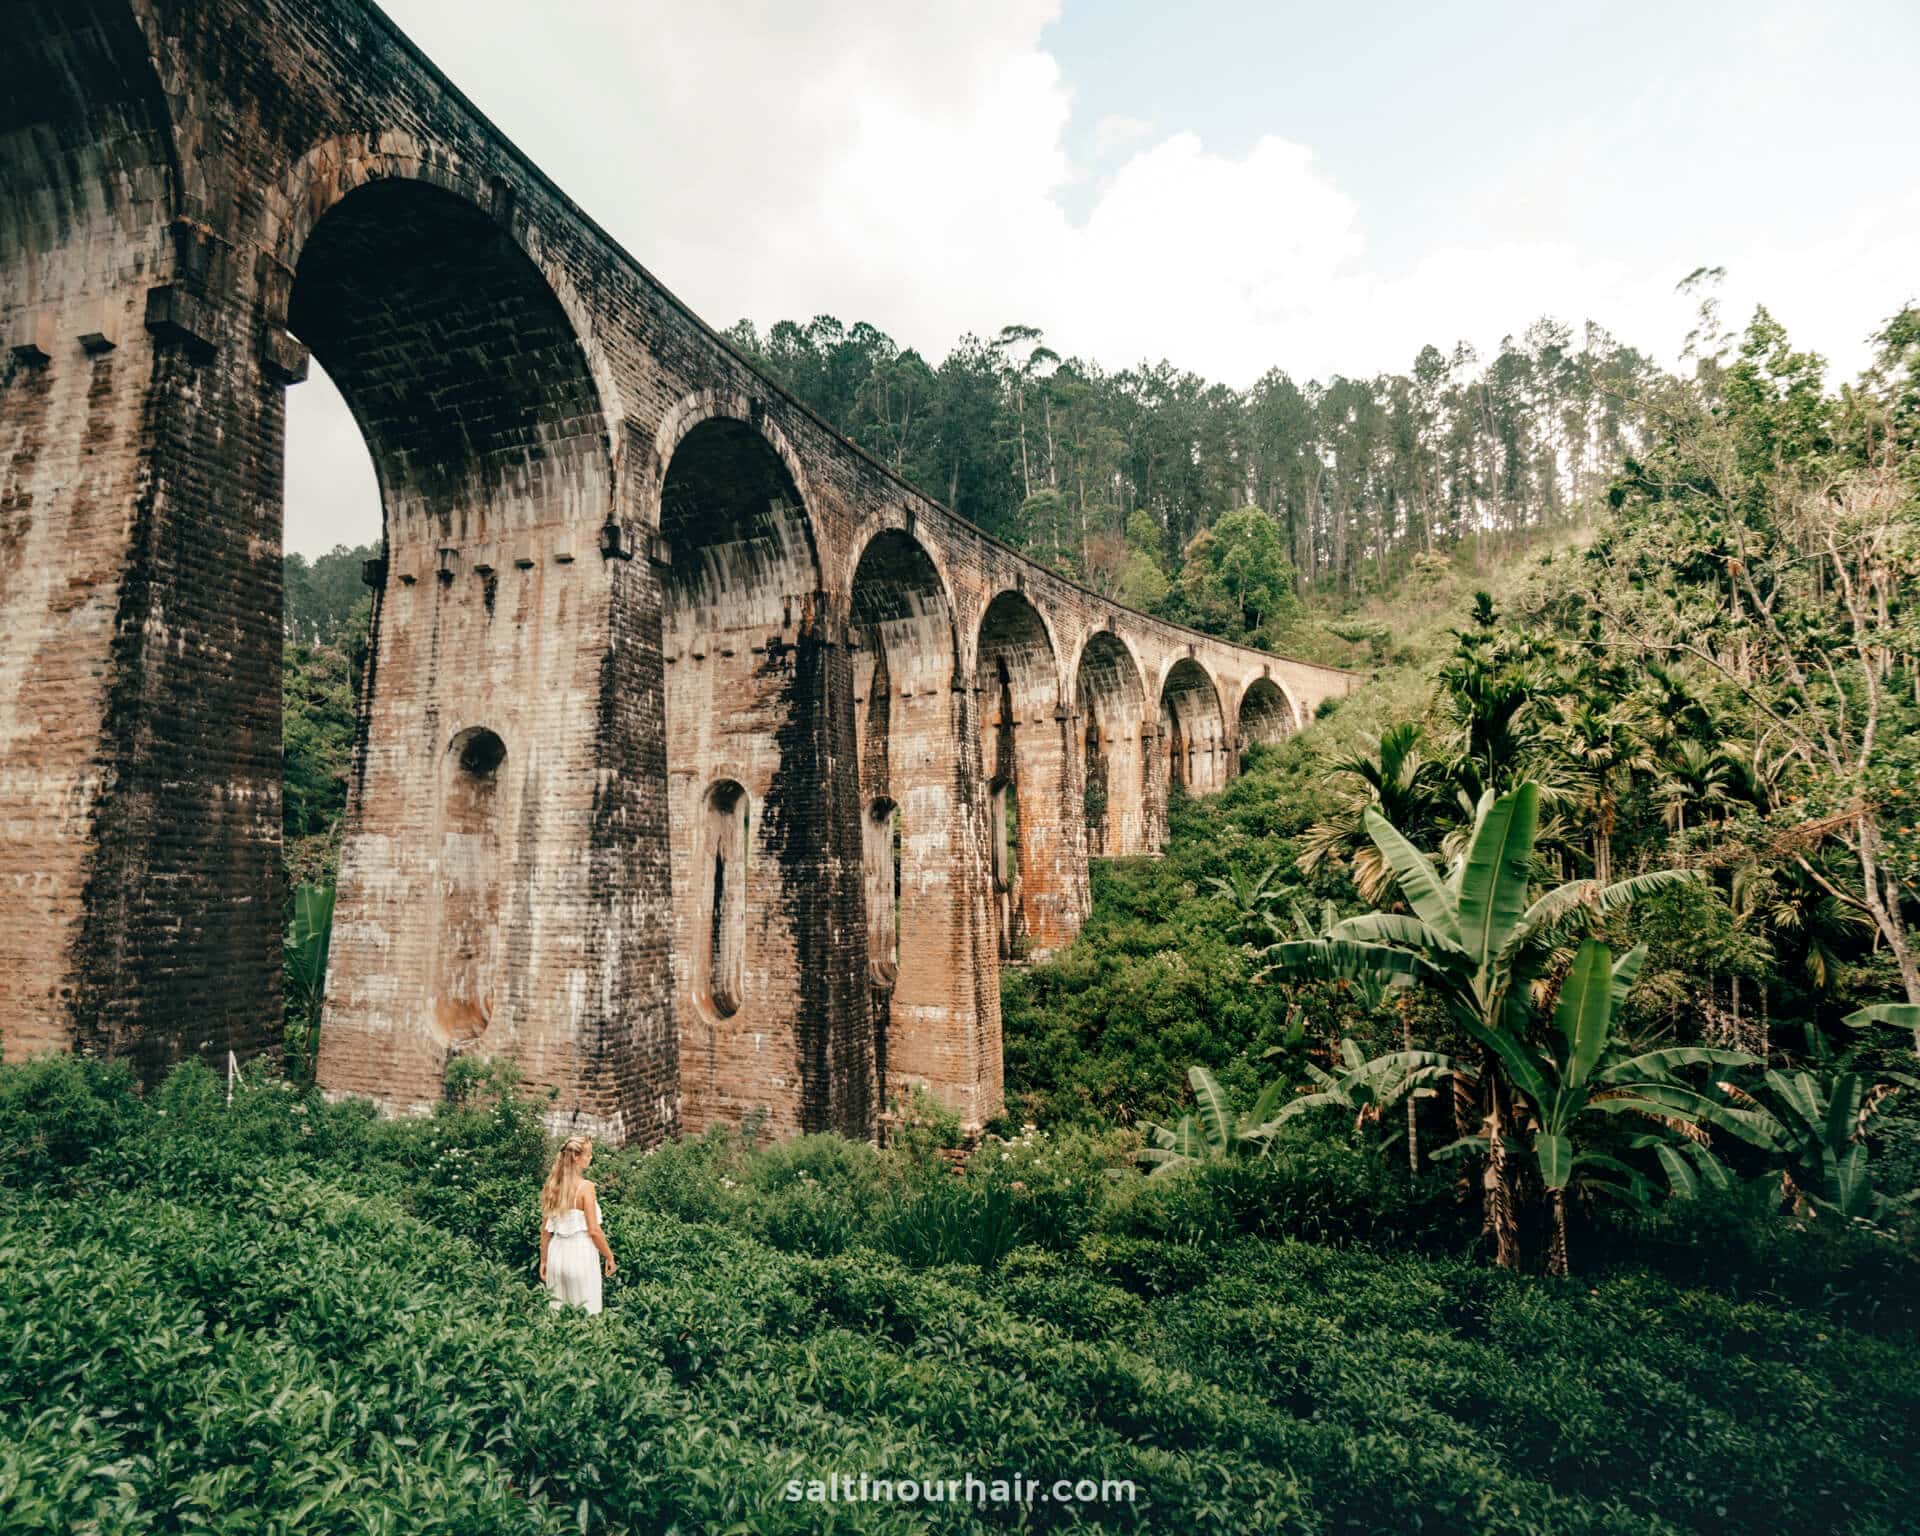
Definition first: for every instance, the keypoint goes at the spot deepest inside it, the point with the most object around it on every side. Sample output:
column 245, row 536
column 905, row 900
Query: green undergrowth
column 290, row 1316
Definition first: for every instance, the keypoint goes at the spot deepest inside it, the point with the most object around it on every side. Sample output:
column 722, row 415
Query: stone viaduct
column 705, row 767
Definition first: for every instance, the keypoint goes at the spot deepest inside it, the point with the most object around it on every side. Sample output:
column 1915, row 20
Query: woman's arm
column 593, row 1229
column 545, row 1238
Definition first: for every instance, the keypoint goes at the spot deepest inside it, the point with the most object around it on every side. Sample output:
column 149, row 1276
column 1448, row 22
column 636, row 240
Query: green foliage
column 1237, row 580
column 258, row 1318
column 56, row 1112
column 1113, row 476
column 1813, row 1125
column 319, row 687
column 304, row 961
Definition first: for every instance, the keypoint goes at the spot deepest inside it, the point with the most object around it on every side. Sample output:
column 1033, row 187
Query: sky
column 1232, row 187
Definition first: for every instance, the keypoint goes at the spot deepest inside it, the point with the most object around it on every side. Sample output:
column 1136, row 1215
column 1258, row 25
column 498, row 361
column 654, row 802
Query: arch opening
column 1110, row 698
column 899, row 613
column 740, row 543
column 1195, row 729
column 1266, row 716
column 462, row 369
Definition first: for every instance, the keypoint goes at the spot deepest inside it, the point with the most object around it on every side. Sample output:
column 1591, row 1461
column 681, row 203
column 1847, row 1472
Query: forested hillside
column 1112, row 477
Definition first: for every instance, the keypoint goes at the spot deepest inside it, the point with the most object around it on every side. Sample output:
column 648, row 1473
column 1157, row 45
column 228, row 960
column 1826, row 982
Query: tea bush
column 290, row 1317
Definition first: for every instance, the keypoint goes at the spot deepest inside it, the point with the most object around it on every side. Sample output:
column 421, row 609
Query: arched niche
column 467, row 951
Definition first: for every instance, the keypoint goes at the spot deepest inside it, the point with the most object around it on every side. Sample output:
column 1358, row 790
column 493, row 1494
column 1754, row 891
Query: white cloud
column 1117, row 131
column 779, row 160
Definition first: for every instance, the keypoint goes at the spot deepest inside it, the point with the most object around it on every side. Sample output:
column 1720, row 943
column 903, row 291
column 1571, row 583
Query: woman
column 570, row 1230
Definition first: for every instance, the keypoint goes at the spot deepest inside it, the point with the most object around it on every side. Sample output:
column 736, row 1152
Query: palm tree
column 1365, row 1089
column 1491, row 688
column 1673, row 706
column 1479, row 945
column 1602, row 742
column 1216, row 1132
column 1693, row 776
column 1399, row 781
column 1253, row 901
column 1814, row 1125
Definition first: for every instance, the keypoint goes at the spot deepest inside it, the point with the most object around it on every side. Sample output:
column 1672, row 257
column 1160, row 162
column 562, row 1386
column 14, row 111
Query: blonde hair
column 562, row 1190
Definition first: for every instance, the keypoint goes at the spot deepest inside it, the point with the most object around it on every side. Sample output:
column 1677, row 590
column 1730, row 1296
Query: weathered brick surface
column 625, row 578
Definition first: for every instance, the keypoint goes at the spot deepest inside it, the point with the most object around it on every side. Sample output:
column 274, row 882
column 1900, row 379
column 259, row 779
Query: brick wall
column 621, row 570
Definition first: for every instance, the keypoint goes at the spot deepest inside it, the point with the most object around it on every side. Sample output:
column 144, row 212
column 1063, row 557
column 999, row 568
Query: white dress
column 573, row 1263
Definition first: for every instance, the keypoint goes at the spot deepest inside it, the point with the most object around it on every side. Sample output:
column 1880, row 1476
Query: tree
column 1396, row 779
column 1569, row 1079
column 1770, row 536
column 1237, row 580
column 1479, row 945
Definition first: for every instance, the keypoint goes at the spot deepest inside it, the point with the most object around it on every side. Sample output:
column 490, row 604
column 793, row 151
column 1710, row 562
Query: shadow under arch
column 1267, row 715
column 1110, row 698
column 753, row 682
column 1194, row 729
column 464, row 371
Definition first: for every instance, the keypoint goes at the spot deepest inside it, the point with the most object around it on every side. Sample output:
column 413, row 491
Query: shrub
column 57, row 1111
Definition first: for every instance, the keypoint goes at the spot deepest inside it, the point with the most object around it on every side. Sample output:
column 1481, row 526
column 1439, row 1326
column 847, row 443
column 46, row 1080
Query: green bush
column 57, row 1111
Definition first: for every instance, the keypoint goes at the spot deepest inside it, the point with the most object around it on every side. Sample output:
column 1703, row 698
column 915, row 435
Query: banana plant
column 1215, row 1132
column 1366, row 1089
column 1814, row 1127
column 1478, row 941
column 1571, row 1078
column 1903, row 1015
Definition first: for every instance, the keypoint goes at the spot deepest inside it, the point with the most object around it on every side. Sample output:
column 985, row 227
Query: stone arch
column 1266, row 716
column 1194, row 728
column 742, row 558
column 479, row 408
column 1035, row 821
column 1014, row 652
column 753, row 681
column 333, row 169
column 900, row 614
column 1110, row 699
column 84, row 126
column 694, row 411
column 462, row 367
